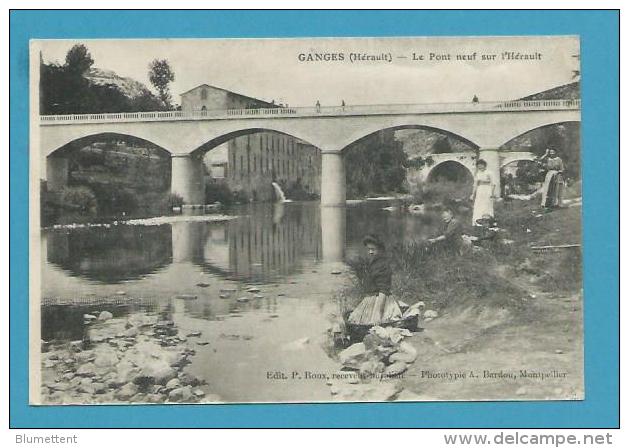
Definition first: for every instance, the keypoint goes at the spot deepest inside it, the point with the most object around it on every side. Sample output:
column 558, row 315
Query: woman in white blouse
column 484, row 192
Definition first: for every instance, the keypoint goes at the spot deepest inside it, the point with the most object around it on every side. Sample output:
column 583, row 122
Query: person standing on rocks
column 379, row 306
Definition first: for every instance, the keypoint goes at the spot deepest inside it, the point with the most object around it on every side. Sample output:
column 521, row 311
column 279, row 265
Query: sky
column 271, row 69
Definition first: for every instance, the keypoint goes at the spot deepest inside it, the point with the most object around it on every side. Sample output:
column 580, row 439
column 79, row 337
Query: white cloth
column 483, row 200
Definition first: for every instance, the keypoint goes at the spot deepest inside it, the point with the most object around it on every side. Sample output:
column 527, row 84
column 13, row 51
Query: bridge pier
column 57, row 169
column 492, row 157
column 332, row 179
column 187, row 178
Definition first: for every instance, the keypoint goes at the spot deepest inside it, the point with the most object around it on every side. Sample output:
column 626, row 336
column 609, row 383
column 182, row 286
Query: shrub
column 77, row 198
column 218, row 192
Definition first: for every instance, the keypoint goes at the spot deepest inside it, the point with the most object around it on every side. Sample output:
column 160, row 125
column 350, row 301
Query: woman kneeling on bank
column 378, row 307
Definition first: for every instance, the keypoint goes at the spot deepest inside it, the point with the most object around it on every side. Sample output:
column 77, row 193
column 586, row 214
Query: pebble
column 198, row 393
column 336, row 272
column 180, row 394
column 243, row 299
column 203, row 285
column 223, row 296
column 194, row 334
column 127, row 391
column 559, row 352
column 173, row 384
column 186, row 297
column 121, row 293
column 253, row 289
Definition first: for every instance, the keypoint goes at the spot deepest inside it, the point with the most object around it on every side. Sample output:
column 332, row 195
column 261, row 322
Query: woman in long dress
column 484, row 193
column 379, row 306
column 552, row 190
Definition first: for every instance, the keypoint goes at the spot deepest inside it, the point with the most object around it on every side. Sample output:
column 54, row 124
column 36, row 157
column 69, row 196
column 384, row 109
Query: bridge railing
column 278, row 112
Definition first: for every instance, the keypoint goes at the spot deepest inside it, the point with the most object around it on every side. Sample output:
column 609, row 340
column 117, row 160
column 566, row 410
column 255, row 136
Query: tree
column 78, row 59
column 160, row 75
column 376, row 165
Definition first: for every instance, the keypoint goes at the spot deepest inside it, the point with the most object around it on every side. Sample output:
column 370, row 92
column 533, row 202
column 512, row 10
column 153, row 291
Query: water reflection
column 110, row 255
column 283, row 248
column 265, row 244
column 333, row 233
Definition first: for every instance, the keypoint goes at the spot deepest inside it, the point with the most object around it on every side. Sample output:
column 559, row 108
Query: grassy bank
column 504, row 274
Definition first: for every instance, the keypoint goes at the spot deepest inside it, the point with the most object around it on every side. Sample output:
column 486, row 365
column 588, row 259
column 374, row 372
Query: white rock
column 180, row 394
column 430, row 314
column 198, row 393
column 127, row 391
column 86, row 370
column 396, row 368
column 105, row 356
column 353, row 355
column 105, row 315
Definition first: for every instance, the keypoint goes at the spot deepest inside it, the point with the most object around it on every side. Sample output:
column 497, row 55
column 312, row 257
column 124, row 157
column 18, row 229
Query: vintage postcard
column 305, row 220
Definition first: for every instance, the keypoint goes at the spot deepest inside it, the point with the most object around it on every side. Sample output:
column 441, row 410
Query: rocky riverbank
column 372, row 370
column 138, row 359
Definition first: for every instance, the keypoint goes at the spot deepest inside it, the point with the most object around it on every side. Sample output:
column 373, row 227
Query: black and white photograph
column 305, row 220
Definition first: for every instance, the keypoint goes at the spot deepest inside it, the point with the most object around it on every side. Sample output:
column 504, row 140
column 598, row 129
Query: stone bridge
column 188, row 135
column 468, row 160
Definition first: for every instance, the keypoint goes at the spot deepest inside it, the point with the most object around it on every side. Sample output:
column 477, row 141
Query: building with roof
column 248, row 164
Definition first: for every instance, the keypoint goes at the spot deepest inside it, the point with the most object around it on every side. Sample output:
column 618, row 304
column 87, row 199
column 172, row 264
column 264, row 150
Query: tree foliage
column 563, row 138
column 161, row 75
column 375, row 165
column 78, row 59
column 64, row 89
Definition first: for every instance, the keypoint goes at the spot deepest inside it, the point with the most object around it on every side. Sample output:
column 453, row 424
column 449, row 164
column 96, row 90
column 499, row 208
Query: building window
column 204, row 94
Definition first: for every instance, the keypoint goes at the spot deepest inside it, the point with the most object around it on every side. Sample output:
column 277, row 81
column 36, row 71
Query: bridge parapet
column 325, row 111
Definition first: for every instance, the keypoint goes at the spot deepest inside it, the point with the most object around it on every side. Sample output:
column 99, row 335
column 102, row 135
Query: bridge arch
column 214, row 142
column 260, row 156
column 371, row 130
column 85, row 140
column 521, row 131
column 452, row 170
column 55, row 163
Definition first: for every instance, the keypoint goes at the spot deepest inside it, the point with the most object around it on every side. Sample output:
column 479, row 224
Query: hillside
column 128, row 86
column 570, row 91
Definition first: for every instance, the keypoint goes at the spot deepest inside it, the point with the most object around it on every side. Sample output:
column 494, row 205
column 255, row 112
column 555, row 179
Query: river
column 281, row 249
